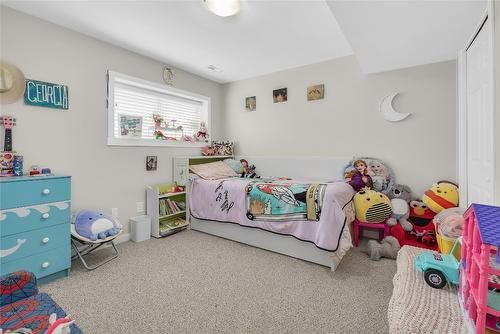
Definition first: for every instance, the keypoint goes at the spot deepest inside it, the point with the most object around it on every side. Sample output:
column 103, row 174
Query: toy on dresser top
column 7, row 155
column 35, row 171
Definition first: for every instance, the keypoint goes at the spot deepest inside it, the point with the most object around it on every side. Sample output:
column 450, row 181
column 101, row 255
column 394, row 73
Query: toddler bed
column 306, row 219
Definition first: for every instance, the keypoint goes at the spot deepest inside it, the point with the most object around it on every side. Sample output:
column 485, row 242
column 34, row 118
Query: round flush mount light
column 214, row 68
column 223, row 8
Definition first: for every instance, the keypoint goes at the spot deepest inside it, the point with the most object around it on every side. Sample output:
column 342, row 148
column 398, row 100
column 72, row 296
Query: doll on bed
column 358, row 178
column 248, row 170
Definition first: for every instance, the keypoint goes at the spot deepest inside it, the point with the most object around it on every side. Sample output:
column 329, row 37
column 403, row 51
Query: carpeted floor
column 196, row 283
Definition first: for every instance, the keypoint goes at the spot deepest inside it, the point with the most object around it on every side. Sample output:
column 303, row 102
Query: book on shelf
column 169, row 207
column 168, row 225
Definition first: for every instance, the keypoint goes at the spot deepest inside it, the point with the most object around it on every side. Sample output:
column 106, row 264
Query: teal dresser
column 35, row 215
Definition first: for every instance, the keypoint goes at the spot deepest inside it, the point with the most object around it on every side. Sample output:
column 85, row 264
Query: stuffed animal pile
column 410, row 219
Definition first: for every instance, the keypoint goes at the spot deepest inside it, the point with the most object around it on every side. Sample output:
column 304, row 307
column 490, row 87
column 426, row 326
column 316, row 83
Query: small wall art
column 46, row 94
column 130, row 126
column 151, row 162
column 250, row 103
column 316, row 92
column 388, row 110
column 280, row 95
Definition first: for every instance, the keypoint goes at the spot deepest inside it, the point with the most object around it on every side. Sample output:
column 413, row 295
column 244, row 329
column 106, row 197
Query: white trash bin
column 140, row 228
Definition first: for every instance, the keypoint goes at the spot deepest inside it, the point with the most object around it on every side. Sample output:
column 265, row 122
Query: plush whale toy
column 95, row 225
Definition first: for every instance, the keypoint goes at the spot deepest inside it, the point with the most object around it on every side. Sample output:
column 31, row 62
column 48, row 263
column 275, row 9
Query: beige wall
column 421, row 149
column 73, row 142
column 497, row 98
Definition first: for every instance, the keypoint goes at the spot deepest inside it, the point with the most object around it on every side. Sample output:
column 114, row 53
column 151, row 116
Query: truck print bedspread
column 308, row 211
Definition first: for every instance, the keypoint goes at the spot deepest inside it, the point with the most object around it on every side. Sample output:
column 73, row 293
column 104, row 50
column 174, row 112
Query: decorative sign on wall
column 131, row 126
column 280, row 95
column 389, row 112
column 316, row 92
column 46, row 94
column 250, row 103
column 151, row 162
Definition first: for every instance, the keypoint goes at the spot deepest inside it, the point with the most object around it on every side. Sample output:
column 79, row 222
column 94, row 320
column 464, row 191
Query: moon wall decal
column 389, row 112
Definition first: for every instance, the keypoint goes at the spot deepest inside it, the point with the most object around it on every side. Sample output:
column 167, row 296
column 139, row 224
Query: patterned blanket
column 280, row 200
column 307, row 211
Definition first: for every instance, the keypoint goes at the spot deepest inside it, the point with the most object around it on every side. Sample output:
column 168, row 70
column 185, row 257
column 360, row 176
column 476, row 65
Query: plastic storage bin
column 446, row 244
column 140, row 228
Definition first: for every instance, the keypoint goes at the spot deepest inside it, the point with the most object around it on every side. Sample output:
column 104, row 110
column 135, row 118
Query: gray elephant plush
column 389, row 248
column 400, row 195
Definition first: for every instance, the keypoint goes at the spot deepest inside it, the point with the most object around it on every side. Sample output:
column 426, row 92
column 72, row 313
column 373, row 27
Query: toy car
column 439, row 268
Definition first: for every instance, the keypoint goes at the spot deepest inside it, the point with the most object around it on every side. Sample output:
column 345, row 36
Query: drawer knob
column 45, row 240
column 46, row 215
column 45, row 265
column 46, row 191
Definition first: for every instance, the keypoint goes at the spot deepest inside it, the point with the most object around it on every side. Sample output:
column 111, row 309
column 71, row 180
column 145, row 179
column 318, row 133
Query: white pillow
column 213, row 170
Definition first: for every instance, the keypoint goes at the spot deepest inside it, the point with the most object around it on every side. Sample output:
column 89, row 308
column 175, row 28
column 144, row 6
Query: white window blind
column 134, row 102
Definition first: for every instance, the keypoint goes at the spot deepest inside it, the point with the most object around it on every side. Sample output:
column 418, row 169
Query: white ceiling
column 268, row 36
column 387, row 35
column 265, row 37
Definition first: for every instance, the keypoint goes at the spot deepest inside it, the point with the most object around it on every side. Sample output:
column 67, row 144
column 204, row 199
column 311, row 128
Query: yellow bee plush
column 442, row 195
column 372, row 206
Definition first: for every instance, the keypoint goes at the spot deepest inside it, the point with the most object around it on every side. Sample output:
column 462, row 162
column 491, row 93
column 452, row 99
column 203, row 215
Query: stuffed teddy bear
column 400, row 195
column 389, row 248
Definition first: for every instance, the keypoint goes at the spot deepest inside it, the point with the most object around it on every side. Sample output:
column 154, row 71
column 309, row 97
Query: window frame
column 158, row 88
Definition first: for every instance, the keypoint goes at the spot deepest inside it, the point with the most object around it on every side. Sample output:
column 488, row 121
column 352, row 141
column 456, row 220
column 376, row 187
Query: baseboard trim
column 124, row 237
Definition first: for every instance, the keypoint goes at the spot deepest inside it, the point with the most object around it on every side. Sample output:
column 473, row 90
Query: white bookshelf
column 155, row 193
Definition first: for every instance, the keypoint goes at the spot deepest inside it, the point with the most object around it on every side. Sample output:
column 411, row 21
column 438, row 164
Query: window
column 143, row 113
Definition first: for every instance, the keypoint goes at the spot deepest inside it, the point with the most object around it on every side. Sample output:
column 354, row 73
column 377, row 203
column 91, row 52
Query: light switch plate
column 140, row 207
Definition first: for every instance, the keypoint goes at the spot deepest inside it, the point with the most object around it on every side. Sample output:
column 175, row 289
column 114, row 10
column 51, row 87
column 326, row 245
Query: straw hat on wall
column 11, row 83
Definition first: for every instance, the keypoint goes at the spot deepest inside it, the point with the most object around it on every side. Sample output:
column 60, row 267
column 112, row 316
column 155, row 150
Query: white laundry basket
column 140, row 228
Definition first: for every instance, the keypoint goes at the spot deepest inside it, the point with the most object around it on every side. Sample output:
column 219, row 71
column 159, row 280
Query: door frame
column 462, row 172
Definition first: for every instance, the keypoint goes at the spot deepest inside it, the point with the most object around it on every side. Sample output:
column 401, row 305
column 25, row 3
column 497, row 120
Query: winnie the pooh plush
column 442, row 195
column 372, row 206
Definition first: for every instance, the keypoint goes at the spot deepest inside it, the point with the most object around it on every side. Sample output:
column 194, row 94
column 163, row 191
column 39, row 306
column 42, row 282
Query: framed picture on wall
column 151, row 162
column 280, row 95
column 316, row 92
column 250, row 103
column 130, row 126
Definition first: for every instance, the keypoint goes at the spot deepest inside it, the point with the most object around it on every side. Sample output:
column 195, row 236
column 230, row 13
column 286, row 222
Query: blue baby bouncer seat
column 90, row 230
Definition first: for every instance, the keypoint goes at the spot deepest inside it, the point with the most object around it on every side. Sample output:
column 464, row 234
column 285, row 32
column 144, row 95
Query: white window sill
column 154, row 143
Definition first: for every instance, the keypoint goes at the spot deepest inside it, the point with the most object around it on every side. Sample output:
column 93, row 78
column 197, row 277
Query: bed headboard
column 315, row 167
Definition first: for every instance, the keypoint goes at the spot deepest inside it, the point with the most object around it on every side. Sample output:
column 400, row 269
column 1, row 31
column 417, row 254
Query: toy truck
column 439, row 268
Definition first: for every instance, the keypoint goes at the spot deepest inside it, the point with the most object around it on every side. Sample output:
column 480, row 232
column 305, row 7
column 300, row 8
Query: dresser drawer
column 42, row 264
column 25, row 244
column 17, row 220
column 34, row 191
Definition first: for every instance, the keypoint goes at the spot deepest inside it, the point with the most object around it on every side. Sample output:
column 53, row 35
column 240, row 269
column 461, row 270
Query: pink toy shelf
column 479, row 269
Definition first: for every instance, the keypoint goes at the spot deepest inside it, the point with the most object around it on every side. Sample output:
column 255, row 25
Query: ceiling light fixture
column 223, row 8
column 214, row 68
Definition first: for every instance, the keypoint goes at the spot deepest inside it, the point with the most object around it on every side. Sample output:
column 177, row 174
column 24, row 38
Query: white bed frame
column 317, row 168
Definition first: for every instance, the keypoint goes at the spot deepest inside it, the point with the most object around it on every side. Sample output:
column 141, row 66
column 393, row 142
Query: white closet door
column 480, row 127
